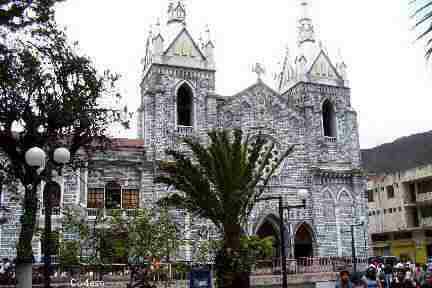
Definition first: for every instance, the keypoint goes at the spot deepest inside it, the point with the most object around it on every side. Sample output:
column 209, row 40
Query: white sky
column 390, row 83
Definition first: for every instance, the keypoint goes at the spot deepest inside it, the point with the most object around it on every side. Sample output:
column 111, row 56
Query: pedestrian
column 357, row 280
column 388, row 275
column 344, row 280
column 371, row 277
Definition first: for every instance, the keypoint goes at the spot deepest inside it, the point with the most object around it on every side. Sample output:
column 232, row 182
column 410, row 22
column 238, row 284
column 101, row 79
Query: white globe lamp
column 363, row 219
column 302, row 194
column 35, row 157
column 61, row 155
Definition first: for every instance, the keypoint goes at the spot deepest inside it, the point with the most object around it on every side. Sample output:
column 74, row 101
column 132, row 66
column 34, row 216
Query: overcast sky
column 390, row 81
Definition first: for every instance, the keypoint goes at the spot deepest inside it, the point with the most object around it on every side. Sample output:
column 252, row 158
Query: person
column 371, row 277
column 344, row 280
column 388, row 275
column 402, row 279
column 357, row 281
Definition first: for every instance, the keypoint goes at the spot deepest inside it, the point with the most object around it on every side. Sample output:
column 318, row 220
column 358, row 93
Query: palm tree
column 423, row 15
column 221, row 182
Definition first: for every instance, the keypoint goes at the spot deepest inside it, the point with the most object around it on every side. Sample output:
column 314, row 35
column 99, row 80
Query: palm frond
column 424, row 15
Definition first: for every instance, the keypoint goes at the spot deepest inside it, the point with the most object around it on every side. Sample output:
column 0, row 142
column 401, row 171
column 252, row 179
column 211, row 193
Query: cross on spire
column 258, row 68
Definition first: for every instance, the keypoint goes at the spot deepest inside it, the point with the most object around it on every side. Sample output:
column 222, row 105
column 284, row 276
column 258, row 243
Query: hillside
column 404, row 153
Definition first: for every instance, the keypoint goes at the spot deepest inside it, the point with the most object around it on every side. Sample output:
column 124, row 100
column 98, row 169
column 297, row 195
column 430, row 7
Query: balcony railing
column 184, row 131
column 427, row 221
column 421, row 197
column 328, row 139
column 56, row 211
column 93, row 212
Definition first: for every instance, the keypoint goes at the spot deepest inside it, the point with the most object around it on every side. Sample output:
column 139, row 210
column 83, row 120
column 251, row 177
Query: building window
column 425, row 186
column 329, row 119
column 113, row 196
column 400, row 209
column 184, row 105
column 390, row 192
column 385, row 211
column 95, row 198
column 370, row 196
column 130, row 199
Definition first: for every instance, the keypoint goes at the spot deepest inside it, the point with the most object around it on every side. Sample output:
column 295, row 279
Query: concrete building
column 400, row 214
column 310, row 107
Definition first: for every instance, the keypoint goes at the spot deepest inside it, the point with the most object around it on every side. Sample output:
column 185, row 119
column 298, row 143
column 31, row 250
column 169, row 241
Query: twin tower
column 309, row 105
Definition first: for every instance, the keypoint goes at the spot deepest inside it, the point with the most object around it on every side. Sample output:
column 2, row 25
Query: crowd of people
column 387, row 276
column 6, row 272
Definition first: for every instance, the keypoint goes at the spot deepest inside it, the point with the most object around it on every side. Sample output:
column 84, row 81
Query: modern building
column 309, row 107
column 400, row 200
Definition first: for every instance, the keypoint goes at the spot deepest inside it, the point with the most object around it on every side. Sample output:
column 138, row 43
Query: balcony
column 93, row 212
column 423, row 197
column 427, row 221
column 330, row 140
column 184, row 131
column 56, row 211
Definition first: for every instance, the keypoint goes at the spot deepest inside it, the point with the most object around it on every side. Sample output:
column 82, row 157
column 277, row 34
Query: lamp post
column 37, row 158
column 302, row 194
column 353, row 249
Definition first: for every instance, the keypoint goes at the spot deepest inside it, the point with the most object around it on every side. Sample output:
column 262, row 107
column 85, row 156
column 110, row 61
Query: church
column 309, row 106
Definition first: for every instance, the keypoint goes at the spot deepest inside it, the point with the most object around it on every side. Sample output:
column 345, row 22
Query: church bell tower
column 178, row 78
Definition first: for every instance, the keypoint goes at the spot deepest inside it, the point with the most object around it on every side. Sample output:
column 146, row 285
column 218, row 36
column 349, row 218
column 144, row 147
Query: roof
column 127, row 144
column 402, row 154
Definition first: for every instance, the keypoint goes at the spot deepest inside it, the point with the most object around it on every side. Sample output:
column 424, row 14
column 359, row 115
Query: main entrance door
column 303, row 242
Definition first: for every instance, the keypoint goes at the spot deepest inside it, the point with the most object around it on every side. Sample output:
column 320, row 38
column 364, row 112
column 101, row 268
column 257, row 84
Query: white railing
column 310, row 265
column 427, row 221
column 328, row 139
column 184, row 131
column 55, row 211
column 424, row 197
column 93, row 212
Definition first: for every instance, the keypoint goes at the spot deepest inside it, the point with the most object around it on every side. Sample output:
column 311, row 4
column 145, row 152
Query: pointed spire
column 208, row 39
column 157, row 31
column 306, row 31
column 177, row 12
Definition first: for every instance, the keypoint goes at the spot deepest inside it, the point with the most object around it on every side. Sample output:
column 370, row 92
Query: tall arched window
column 329, row 119
column 184, row 106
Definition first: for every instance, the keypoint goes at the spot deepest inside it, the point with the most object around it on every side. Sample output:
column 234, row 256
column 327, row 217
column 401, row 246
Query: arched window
column 184, row 106
column 329, row 119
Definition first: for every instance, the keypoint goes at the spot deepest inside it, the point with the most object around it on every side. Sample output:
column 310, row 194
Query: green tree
column 52, row 94
column 423, row 16
column 222, row 182
column 19, row 14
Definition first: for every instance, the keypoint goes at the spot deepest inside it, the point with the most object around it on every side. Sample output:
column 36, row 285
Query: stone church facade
column 310, row 107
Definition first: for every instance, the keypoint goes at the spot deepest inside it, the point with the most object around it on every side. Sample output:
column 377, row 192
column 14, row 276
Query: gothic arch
column 305, row 240
column 328, row 195
column 269, row 227
column 184, row 100
column 329, row 122
column 344, row 194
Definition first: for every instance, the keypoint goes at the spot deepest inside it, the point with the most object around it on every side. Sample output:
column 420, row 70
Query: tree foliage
column 222, row 182
column 423, row 16
column 19, row 14
column 50, row 96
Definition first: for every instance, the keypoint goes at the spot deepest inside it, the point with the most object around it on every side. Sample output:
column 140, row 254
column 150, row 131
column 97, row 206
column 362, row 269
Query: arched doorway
column 303, row 242
column 268, row 229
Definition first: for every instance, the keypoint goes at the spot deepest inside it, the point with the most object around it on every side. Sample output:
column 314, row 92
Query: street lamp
column 37, row 158
column 353, row 249
column 302, row 194
column 101, row 226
